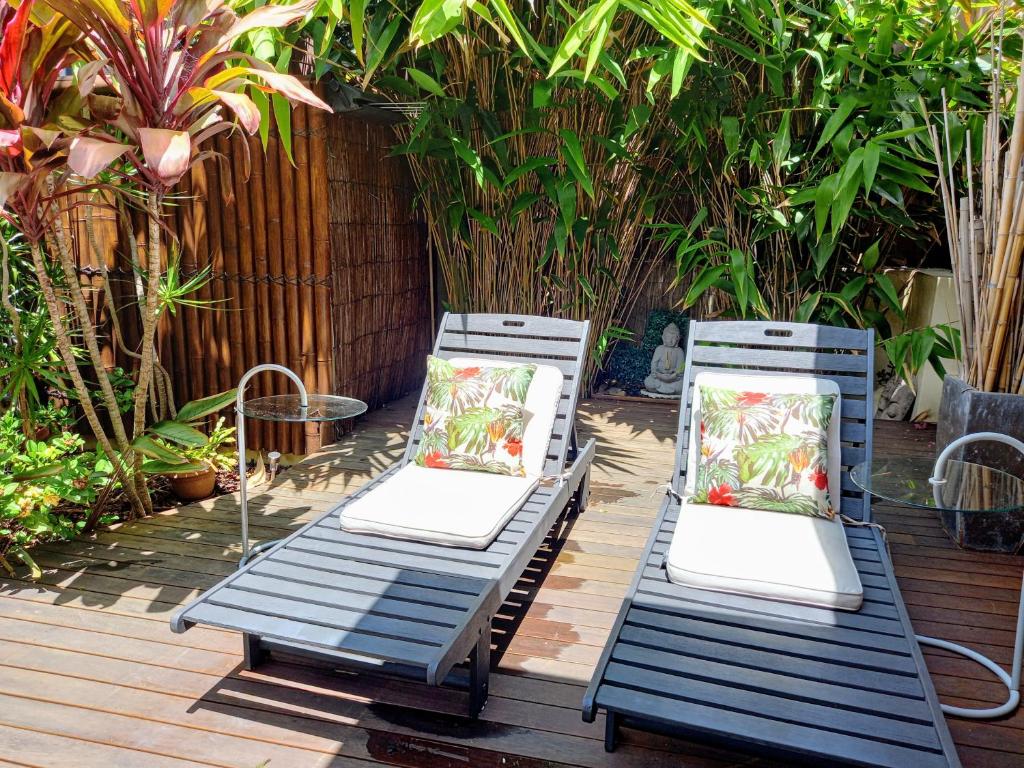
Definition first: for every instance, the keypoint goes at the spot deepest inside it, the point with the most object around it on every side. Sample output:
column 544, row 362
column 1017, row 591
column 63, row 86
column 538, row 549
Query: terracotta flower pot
column 193, row 486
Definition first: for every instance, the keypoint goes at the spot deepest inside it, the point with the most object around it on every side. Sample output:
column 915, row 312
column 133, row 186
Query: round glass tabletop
column 969, row 488
column 289, row 408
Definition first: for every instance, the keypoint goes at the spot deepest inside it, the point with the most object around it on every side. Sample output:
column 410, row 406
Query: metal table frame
column 248, row 551
column 1011, row 680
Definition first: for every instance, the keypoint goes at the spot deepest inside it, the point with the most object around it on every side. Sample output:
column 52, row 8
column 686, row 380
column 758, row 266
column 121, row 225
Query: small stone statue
column 896, row 399
column 666, row 378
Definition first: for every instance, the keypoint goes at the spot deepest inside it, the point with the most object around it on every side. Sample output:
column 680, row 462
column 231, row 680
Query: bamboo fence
column 320, row 266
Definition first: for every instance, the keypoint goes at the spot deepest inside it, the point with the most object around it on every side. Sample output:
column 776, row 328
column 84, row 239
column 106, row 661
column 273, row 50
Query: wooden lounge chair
column 779, row 678
column 398, row 606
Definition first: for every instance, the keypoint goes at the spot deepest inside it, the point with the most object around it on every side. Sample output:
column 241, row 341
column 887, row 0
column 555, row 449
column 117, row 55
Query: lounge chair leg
column 252, row 654
column 611, row 731
column 479, row 672
column 583, row 494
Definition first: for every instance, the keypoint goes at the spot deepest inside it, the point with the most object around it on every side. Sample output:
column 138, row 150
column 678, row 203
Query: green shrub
column 48, row 488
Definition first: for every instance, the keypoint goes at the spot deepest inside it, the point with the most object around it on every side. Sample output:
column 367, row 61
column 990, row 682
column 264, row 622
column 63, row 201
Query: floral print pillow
column 764, row 451
column 474, row 417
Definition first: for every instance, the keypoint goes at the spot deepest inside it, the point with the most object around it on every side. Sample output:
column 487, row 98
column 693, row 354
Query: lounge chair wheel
column 611, row 731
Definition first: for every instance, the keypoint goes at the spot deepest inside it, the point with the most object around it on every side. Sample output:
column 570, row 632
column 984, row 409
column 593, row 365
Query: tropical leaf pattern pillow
column 474, row 416
column 764, row 451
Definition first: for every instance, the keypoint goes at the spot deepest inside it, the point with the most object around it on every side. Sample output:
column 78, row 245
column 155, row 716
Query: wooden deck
column 90, row 674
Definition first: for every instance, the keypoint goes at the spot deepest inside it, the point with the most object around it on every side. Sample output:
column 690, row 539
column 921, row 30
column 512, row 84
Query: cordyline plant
column 156, row 79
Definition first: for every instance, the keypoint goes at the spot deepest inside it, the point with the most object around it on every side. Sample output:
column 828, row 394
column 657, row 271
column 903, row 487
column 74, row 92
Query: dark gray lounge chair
column 397, row 606
column 762, row 675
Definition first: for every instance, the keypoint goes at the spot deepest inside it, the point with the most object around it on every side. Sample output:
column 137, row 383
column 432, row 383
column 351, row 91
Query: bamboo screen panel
column 383, row 312
column 320, row 266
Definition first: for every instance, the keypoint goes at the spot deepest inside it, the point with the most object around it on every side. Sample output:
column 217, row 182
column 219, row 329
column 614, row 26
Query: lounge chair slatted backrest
column 842, row 355
column 735, row 667
column 394, row 604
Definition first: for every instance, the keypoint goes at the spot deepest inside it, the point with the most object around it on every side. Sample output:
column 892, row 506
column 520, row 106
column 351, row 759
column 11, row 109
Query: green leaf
column 38, row 473
column 523, row 168
column 704, row 280
column 282, row 109
column 23, row 555
column 781, row 141
column 588, row 289
column 572, row 152
column 425, row 81
column 872, row 153
column 807, row 307
column 576, row 36
column 357, row 24
column 469, row 156
column 380, row 45
column 921, row 344
column 485, row 221
column 433, row 19
column 870, row 260
column 843, row 202
column 888, row 292
column 738, row 268
column 823, row 199
column 195, row 410
column 147, row 446
column 731, row 134
column 846, row 106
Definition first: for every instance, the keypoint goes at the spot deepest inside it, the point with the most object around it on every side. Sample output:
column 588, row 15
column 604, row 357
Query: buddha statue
column 666, row 377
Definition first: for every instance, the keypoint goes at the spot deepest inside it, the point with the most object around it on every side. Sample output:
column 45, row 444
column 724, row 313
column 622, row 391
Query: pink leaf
column 88, row 76
column 247, row 112
column 189, row 13
column 290, row 88
column 46, row 138
column 9, row 138
column 167, row 153
column 9, row 183
column 11, row 43
column 89, row 156
column 275, row 16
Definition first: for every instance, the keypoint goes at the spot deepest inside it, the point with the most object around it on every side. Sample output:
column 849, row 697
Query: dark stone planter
column 965, row 410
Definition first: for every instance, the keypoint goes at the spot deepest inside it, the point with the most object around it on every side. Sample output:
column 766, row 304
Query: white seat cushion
column 440, row 506
column 777, row 555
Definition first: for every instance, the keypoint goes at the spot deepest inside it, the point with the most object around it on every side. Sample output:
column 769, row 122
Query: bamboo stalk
column 304, row 214
column 320, row 204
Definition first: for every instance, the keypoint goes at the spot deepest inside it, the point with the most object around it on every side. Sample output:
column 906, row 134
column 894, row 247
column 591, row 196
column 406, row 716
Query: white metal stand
column 248, row 551
column 1012, row 680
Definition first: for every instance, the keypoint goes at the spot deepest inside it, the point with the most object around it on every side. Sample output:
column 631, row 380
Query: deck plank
column 90, row 675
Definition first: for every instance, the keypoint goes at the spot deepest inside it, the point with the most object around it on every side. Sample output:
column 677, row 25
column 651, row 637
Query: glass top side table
column 950, row 485
column 300, row 407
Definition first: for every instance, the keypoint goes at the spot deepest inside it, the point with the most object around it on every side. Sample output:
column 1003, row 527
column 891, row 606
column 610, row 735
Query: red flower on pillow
column 722, row 496
column 514, row 447
column 819, row 477
column 749, row 399
column 467, row 373
column 435, row 460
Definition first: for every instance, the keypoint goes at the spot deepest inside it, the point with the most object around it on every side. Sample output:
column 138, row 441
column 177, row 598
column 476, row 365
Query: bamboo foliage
column 537, row 193
column 985, row 235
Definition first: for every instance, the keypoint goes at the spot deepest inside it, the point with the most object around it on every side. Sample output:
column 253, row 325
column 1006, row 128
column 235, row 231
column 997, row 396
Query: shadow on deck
column 90, row 674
